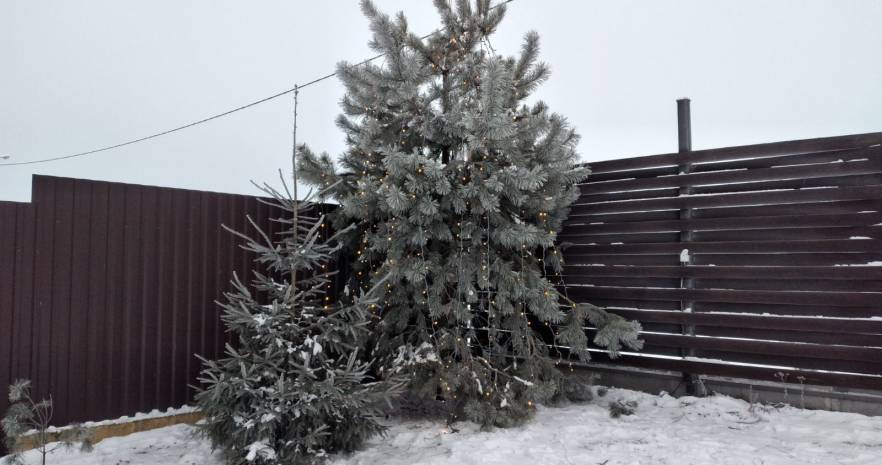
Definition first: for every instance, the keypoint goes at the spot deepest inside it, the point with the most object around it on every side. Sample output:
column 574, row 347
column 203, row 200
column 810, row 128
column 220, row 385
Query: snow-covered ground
column 664, row 430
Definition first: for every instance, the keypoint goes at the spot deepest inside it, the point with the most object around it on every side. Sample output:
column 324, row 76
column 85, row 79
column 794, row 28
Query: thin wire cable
column 219, row 115
column 189, row 125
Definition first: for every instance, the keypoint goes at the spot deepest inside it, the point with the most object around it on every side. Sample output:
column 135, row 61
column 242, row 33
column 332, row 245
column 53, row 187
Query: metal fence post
column 684, row 136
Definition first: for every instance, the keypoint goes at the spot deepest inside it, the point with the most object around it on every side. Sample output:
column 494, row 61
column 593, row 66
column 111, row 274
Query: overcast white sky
column 79, row 75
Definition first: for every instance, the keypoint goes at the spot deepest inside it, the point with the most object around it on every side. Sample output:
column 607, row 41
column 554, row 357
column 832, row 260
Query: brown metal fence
column 775, row 284
column 107, row 291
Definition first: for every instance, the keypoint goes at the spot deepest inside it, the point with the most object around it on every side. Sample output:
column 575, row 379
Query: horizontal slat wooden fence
column 107, row 291
column 784, row 241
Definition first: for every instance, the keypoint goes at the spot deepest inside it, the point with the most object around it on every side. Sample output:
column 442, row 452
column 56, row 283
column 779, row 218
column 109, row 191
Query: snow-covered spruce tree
column 295, row 387
column 458, row 188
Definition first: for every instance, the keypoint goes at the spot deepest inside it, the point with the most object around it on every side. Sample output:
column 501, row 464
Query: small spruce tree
column 458, row 188
column 295, row 387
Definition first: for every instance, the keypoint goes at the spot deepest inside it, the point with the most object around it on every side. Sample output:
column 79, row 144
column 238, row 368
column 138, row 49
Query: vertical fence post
column 684, row 136
column 684, row 128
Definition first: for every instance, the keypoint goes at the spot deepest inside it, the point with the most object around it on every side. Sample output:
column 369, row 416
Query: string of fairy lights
column 486, row 299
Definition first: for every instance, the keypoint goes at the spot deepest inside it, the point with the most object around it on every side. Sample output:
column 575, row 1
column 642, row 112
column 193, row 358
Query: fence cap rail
column 737, row 152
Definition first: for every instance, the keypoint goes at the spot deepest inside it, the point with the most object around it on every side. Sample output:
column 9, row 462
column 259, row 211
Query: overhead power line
column 213, row 117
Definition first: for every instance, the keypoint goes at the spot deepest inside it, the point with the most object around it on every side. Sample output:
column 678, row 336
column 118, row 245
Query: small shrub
column 576, row 391
column 622, row 407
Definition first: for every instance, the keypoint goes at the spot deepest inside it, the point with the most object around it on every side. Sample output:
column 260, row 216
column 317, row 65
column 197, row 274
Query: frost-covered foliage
column 31, row 419
column 458, row 188
column 295, row 387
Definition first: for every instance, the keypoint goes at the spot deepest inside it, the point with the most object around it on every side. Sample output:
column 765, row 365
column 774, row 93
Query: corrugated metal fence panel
column 12, row 220
column 778, row 285
column 107, row 291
